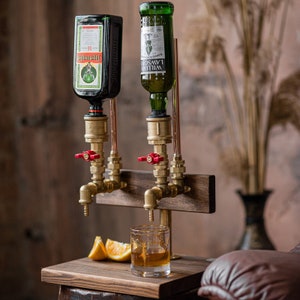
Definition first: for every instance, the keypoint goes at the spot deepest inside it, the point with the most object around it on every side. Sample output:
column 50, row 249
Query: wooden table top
column 115, row 277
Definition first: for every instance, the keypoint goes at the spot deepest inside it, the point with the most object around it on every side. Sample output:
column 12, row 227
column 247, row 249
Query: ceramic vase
column 255, row 235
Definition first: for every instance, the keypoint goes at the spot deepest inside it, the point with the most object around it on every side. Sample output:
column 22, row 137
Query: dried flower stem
column 266, row 132
column 247, row 106
column 236, row 103
column 250, row 115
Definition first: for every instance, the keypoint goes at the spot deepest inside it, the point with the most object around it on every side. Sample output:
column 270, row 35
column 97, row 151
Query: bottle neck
column 158, row 102
column 96, row 109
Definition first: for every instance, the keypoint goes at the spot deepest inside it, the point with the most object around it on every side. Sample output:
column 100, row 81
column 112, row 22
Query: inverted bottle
column 157, row 53
column 97, row 59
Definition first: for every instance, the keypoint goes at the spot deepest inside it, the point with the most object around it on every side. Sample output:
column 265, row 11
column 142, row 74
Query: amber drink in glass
column 150, row 250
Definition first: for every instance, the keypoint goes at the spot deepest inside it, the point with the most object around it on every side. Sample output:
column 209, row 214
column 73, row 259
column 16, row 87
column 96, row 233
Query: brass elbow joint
column 151, row 198
column 87, row 192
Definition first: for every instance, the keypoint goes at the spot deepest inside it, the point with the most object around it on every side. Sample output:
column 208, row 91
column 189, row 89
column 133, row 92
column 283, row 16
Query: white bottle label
column 152, row 50
column 88, row 55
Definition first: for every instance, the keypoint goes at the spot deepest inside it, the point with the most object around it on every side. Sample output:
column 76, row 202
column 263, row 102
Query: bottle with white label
column 157, row 53
column 97, row 59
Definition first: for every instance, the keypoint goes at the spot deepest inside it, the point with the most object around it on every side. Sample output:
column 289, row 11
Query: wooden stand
column 84, row 279
column 200, row 199
column 93, row 277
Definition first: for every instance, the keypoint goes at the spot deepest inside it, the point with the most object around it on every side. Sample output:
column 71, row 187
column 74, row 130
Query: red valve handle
column 88, row 155
column 152, row 158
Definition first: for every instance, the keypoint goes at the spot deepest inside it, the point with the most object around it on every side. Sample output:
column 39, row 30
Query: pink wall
column 197, row 234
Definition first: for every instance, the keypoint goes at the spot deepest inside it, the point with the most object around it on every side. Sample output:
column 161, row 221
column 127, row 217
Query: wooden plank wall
column 42, row 222
column 10, row 251
column 41, row 126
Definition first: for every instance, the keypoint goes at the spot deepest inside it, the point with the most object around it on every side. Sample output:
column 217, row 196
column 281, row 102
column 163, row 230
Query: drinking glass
column 150, row 250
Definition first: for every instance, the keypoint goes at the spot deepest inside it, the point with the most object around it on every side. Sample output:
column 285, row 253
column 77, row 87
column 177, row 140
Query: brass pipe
column 113, row 126
column 114, row 166
column 159, row 130
column 151, row 198
column 165, row 217
column 114, row 160
column 176, row 106
column 96, row 135
column 159, row 134
column 177, row 165
column 87, row 191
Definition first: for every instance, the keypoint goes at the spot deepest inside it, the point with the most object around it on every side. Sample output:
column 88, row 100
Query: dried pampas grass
column 285, row 104
column 250, row 103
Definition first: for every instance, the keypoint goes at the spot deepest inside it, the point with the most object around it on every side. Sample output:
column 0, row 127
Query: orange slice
column 118, row 251
column 98, row 251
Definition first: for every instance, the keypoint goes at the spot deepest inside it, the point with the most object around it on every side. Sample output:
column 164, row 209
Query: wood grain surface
column 200, row 199
column 116, row 277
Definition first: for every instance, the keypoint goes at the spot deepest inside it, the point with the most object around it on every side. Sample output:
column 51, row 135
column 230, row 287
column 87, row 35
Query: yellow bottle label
column 88, row 57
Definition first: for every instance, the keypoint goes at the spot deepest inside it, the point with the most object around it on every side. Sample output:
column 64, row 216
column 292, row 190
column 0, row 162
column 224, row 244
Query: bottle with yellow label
column 97, row 59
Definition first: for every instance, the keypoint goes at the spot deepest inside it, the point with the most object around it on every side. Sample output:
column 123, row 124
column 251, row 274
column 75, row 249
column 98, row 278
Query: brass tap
column 87, row 191
column 96, row 135
column 159, row 135
column 151, row 198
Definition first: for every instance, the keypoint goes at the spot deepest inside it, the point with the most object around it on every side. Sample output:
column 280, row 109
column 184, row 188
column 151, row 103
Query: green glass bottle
column 157, row 53
column 97, row 59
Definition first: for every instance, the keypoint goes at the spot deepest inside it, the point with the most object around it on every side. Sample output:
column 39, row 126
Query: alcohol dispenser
column 96, row 77
column 158, row 77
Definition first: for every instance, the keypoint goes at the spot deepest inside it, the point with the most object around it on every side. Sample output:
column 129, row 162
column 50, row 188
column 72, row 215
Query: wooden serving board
column 116, row 277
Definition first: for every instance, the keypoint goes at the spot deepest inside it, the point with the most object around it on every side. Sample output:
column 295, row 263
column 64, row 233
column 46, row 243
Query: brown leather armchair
column 253, row 274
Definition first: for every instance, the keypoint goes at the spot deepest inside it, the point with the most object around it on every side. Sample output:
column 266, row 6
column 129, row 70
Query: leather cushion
column 296, row 249
column 253, row 274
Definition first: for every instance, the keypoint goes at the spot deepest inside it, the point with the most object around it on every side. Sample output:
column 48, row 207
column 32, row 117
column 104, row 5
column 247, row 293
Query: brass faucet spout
column 96, row 135
column 87, row 193
column 151, row 198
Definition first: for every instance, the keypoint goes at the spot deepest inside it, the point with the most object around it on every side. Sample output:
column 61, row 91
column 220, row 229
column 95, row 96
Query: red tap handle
column 88, row 155
column 152, row 158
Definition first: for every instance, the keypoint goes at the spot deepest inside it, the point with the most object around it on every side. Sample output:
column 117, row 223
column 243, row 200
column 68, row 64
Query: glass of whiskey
column 150, row 250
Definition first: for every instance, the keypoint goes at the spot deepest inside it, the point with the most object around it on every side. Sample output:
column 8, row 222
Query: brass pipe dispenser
column 159, row 74
column 159, row 135
column 96, row 77
column 96, row 134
